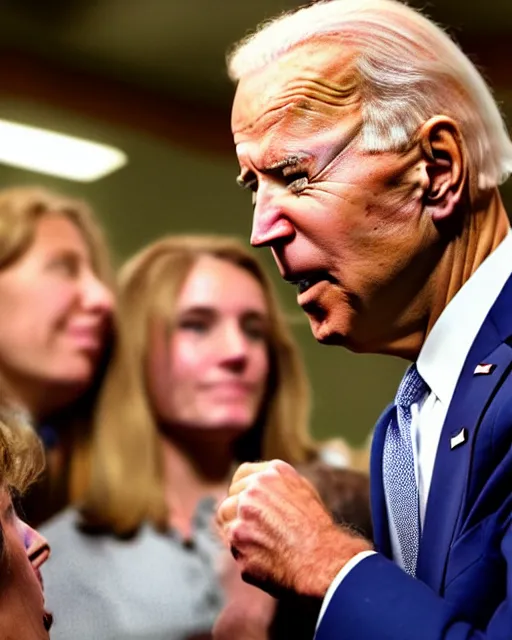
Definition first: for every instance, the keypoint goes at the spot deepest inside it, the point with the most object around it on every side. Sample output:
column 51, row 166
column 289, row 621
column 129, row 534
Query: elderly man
column 373, row 149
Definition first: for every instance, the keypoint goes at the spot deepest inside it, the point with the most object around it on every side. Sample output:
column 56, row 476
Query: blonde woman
column 205, row 375
column 55, row 319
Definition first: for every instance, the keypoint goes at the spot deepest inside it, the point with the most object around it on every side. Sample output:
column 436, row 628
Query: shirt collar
column 445, row 350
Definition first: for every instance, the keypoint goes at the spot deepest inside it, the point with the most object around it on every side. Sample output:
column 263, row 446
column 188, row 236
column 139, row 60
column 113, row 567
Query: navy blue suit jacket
column 463, row 588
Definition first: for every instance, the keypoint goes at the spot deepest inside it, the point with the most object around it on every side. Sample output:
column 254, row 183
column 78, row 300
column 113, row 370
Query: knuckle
column 239, row 535
column 243, row 470
column 252, row 491
column 280, row 467
column 247, row 510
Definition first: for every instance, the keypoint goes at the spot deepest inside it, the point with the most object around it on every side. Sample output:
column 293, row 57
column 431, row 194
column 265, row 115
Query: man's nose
column 269, row 224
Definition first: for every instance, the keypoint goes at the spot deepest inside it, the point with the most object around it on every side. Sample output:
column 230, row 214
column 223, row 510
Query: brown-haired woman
column 55, row 318
column 205, row 375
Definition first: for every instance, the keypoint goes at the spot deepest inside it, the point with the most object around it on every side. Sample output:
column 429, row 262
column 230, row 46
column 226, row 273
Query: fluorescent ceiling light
column 57, row 154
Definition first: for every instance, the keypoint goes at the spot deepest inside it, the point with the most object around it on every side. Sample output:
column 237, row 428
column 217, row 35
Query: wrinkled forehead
column 316, row 77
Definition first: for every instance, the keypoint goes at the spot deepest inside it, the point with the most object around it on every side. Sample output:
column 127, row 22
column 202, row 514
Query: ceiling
column 148, row 76
column 177, row 47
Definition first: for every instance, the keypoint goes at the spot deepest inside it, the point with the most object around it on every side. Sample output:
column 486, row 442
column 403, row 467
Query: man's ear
column 445, row 160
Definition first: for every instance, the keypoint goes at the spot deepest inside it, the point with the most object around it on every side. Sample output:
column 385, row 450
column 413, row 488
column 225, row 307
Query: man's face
column 22, row 553
column 343, row 224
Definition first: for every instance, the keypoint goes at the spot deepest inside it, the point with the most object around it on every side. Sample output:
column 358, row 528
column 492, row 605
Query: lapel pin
column 484, row 369
column 459, row 438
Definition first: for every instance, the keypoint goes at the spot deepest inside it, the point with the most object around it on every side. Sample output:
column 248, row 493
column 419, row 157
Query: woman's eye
column 68, row 268
column 195, row 325
column 255, row 331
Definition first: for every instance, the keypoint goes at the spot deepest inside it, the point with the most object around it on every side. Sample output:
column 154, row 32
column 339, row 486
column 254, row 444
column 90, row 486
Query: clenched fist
column 280, row 533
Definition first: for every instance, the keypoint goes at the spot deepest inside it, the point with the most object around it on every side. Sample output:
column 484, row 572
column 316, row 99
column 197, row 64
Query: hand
column 281, row 535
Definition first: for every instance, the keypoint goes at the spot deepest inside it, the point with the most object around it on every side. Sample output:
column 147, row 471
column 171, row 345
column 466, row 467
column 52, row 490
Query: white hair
column 410, row 70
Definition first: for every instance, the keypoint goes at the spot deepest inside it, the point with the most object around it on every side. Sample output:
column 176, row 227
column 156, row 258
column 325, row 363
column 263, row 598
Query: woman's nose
column 233, row 346
column 97, row 296
column 38, row 549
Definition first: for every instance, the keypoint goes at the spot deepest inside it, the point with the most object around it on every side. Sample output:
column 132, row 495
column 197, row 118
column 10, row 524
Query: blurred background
column 148, row 77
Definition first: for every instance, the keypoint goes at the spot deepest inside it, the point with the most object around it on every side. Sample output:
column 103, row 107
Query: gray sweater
column 150, row 587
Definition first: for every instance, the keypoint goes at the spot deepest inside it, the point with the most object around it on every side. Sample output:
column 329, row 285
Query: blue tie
column 398, row 469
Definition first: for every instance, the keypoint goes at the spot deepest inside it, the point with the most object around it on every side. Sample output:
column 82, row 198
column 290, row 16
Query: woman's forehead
column 217, row 283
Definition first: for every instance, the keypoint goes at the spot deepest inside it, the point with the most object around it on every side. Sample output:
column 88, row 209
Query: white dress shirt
column 440, row 363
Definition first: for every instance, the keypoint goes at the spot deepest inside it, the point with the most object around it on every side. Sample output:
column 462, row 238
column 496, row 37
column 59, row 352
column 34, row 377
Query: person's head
column 22, row 550
column 368, row 139
column 204, row 354
column 344, row 491
column 55, row 297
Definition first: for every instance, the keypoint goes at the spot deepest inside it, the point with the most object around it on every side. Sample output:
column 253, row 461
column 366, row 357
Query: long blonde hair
column 20, row 210
column 126, row 485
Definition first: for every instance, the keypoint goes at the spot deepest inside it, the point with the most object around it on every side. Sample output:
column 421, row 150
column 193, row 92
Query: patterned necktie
column 398, row 469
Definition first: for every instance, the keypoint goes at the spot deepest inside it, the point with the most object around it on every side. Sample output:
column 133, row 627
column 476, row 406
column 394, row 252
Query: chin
column 328, row 335
column 337, row 332
column 325, row 333
column 334, row 316
column 73, row 373
column 236, row 421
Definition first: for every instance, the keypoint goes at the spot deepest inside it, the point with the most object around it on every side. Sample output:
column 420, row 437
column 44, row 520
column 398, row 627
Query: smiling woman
column 55, row 312
column 205, row 374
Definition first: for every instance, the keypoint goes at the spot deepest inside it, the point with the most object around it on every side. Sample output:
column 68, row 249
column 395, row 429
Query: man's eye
column 296, row 181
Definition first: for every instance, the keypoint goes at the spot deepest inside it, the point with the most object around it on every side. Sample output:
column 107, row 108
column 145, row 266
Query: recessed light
column 57, row 154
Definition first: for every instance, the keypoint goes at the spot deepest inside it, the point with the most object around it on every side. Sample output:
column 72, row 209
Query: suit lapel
column 449, row 480
column 378, row 500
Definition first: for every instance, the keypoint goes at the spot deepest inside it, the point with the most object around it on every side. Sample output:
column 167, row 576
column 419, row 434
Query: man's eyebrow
column 290, row 161
column 246, row 177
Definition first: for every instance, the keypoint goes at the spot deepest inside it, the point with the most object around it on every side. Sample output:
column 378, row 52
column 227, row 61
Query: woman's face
column 22, row 553
column 54, row 311
column 211, row 372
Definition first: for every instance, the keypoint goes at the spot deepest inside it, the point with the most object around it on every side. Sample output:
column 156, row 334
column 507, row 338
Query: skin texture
column 24, row 551
column 211, row 372
column 54, row 319
column 387, row 238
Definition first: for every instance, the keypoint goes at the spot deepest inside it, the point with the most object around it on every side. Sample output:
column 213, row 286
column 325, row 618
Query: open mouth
column 303, row 284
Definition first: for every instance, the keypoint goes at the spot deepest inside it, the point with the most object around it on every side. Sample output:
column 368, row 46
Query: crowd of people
column 155, row 420
column 146, row 390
